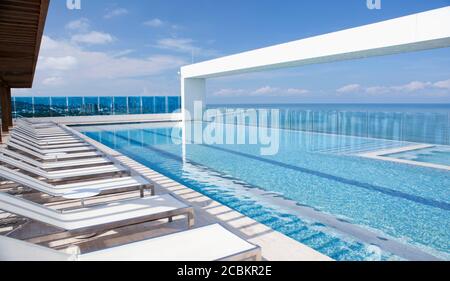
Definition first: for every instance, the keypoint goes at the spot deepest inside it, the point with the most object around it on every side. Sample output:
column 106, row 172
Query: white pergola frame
column 422, row 31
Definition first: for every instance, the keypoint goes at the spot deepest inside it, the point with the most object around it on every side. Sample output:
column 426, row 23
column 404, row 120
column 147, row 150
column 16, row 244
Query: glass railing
column 425, row 127
column 88, row 106
column 403, row 126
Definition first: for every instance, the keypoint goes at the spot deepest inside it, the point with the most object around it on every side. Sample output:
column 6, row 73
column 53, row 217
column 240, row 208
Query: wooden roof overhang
column 21, row 27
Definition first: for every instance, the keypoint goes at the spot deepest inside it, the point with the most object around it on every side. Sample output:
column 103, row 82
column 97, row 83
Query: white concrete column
column 193, row 101
column 193, row 98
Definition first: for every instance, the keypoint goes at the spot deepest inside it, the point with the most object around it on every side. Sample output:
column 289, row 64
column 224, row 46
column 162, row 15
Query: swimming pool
column 435, row 155
column 315, row 190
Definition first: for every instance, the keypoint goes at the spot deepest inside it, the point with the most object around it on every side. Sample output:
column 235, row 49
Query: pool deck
column 275, row 245
column 381, row 155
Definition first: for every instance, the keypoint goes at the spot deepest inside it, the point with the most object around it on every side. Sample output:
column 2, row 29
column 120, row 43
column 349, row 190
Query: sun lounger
column 49, row 139
column 35, row 134
column 46, row 135
column 48, row 145
column 97, row 161
column 37, row 128
column 53, row 128
column 34, row 123
column 53, row 156
column 42, row 132
column 52, row 150
column 45, row 141
column 31, row 122
column 208, row 243
column 99, row 218
column 105, row 186
column 30, row 134
column 63, row 174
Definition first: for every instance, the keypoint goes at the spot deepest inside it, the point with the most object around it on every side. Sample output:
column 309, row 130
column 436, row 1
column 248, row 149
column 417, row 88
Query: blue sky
column 136, row 47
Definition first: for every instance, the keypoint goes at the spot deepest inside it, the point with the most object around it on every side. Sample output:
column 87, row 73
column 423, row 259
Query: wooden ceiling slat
column 20, row 15
column 20, row 25
column 13, row 47
column 16, row 30
column 21, row 5
column 14, row 21
column 27, row 38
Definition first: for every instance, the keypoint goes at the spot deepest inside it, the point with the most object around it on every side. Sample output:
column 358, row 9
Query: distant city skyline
column 136, row 47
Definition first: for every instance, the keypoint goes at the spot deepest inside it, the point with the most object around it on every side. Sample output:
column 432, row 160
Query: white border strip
column 381, row 155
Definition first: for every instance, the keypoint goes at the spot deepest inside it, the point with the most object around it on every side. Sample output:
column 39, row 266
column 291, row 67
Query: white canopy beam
column 422, row 31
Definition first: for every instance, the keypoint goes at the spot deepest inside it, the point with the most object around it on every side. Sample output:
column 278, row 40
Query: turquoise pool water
column 436, row 155
column 315, row 190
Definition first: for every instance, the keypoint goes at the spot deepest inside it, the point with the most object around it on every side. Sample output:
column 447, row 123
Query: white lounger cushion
column 27, row 133
column 40, row 127
column 53, row 156
column 31, row 122
column 50, row 150
column 42, row 135
column 43, row 142
column 62, row 174
column 76, row 163
column 16, row 250
column 103, row 185
column 59, row 147
column 114, row 212
column 55, row 165
column 47, row 125
column 207, row 243
column 43, row 146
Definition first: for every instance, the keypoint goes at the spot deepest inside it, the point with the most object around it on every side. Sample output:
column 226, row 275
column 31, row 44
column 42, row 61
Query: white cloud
column 184, row 45
column 48, row 44
column 412, row 86
column 442, row 84
column 154, row 23
column 80, row 25
column 351, row 88
column 280, row 92
column 158, row 23
column 122, row 53
column 293, row 91
column 115, row 13
column 93, row 37
column 65, row 68
column 85, row 36
column 229, row 93
column 57, row 63
column 376, row 90
column 62, row 55
column 420, row 87
column 266, row 91
column 53, row 81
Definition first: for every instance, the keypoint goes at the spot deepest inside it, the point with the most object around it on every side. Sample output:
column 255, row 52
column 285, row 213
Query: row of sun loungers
column 46, row 159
